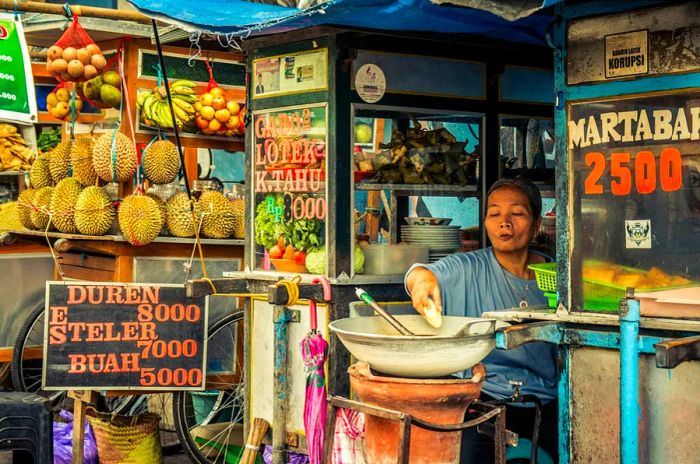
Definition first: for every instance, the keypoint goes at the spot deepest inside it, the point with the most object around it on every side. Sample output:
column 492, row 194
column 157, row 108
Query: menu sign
column 123, row 336
column 289, row 173
column 636, row 145
column 17, row 99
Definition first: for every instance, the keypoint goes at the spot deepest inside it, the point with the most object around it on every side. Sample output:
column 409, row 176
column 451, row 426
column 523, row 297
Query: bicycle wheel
column 27, row 355
column 210, row 423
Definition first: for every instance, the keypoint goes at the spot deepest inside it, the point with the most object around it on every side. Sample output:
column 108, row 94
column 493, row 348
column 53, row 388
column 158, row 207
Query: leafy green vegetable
column 304, row 234
column 49, row 139
column 267, row 231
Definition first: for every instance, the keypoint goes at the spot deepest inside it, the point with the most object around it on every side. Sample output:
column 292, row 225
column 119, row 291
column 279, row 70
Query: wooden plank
column 104, row 263
column 32, row 352
column 83, row 273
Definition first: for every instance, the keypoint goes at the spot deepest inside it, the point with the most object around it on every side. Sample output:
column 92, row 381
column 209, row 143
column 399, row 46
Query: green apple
column 363, row 133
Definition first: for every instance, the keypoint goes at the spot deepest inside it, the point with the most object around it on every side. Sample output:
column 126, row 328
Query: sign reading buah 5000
column 115, row 336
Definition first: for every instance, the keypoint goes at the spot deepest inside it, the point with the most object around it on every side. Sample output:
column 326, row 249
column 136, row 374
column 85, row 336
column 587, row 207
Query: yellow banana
column 181, row 114
column 181, row 90
column 186, row 98
column 183, row 105
column 183, row 83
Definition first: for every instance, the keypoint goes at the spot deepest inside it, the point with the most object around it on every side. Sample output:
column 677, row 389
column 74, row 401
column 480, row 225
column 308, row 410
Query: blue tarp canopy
column 243, row 18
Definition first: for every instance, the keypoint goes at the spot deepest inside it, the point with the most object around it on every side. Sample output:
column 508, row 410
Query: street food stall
column 347, row 125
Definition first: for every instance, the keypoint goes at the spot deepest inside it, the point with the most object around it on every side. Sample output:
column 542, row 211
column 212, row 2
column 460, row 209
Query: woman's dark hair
column 528, row 188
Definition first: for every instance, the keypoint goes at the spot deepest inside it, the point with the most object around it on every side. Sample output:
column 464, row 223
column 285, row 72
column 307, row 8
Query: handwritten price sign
column 116, row 336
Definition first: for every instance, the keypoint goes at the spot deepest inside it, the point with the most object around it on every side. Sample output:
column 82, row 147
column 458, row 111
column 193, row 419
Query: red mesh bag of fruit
column 75, row 57
column 104, row 90
column 60, row 100
column 216, row 113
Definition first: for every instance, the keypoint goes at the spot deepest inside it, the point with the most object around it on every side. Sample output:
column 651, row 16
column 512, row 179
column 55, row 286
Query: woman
column 492, row 279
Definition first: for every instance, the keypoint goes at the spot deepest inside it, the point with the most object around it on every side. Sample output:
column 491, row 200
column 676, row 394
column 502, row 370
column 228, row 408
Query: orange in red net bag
column 60, row 100
column 75, row 57
column 215, row 113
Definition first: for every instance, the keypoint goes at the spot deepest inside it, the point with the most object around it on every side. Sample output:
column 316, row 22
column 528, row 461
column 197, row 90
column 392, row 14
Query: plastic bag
column 75, row 57
column 292, row 458
column 59, row 102
column 63, row 441
column 217, row 113
column 349, row 440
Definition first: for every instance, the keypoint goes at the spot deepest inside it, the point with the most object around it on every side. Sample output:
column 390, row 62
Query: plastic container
column 393, row 259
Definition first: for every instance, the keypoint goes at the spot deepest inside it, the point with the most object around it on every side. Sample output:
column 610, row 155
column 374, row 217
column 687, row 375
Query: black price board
column 115, row 336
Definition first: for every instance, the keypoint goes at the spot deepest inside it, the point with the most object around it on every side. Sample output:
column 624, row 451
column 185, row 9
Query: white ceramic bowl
column 427, row 221
column 438, row 354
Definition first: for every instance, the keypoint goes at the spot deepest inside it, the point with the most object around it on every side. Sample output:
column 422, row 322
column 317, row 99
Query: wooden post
column 80, row 399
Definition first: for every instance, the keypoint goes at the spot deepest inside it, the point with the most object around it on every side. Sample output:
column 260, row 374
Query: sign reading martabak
column 123, row 336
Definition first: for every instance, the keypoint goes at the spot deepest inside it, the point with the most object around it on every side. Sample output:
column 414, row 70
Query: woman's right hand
column 423, row 286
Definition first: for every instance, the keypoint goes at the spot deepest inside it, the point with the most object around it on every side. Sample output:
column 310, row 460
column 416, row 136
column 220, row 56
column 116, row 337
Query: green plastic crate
column 546, row 276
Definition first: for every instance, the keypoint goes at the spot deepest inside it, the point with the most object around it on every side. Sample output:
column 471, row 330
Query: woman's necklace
column 523, row 300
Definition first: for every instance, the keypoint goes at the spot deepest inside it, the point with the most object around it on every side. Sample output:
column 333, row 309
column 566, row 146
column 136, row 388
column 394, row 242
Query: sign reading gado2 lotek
column 123, row 336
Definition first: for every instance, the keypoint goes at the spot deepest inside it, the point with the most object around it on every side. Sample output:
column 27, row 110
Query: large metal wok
column 459, row 344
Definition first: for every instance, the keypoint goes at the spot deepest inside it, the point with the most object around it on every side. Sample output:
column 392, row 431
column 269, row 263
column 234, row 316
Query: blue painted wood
column 633, row 86
column 629, row 382
column 527, row 85
column 564, row 405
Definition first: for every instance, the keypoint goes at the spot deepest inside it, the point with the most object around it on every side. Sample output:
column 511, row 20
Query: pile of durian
column 67, row 193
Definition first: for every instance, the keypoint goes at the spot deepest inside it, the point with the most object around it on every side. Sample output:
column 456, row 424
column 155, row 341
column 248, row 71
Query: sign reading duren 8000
column 123, row 336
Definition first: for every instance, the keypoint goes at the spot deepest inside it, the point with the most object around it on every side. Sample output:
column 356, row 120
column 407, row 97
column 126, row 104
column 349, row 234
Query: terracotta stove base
column 441, row 401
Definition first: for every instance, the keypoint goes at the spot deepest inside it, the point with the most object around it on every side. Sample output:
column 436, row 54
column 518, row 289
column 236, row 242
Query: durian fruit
column 216, row 213
column 139, row 219
column 63, row 200
column 9, row 216
column 238, row 206
column 161, row 207
column 59, row 161
column 24, row 207
column 41, row 203
column 125, row 156
column 161, row 162
column 94, row 211
column 180, row 222
column 81, row 160
column 39, row 173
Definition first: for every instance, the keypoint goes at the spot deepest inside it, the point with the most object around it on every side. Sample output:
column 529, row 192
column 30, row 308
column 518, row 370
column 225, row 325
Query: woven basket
column 126, row 439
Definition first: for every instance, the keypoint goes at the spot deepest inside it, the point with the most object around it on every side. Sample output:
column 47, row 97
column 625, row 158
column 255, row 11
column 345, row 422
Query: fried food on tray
column 620, row 276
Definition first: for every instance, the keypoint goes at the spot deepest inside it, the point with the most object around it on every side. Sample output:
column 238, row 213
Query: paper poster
column 638, row 233
column 627, row 54
column 288, row 74
column 370, row 83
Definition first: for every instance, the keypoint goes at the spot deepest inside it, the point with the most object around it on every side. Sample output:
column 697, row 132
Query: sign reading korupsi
column 123, row 336
column 627, row 54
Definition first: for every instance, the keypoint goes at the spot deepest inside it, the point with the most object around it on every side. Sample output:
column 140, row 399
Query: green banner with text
column 17, row 100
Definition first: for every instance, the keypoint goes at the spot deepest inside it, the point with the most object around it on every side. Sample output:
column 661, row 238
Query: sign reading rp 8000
column 116, row 336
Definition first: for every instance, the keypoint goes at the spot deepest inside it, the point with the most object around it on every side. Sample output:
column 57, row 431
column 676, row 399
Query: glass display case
column 416, row 175
column 636, row 206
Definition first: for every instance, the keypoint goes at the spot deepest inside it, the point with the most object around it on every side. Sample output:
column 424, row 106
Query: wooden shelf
column 421, row 189
column 119, row 238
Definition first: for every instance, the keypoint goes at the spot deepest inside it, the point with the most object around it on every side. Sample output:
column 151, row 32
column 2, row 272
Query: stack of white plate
column 440, row 240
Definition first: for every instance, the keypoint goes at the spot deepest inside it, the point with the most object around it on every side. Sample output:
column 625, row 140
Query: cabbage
column 316, row 261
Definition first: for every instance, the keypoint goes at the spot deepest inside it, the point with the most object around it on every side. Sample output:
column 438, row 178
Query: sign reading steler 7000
column 123, row 336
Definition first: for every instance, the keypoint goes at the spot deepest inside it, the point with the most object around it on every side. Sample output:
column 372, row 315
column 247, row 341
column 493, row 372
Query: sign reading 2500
column 633, row 145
